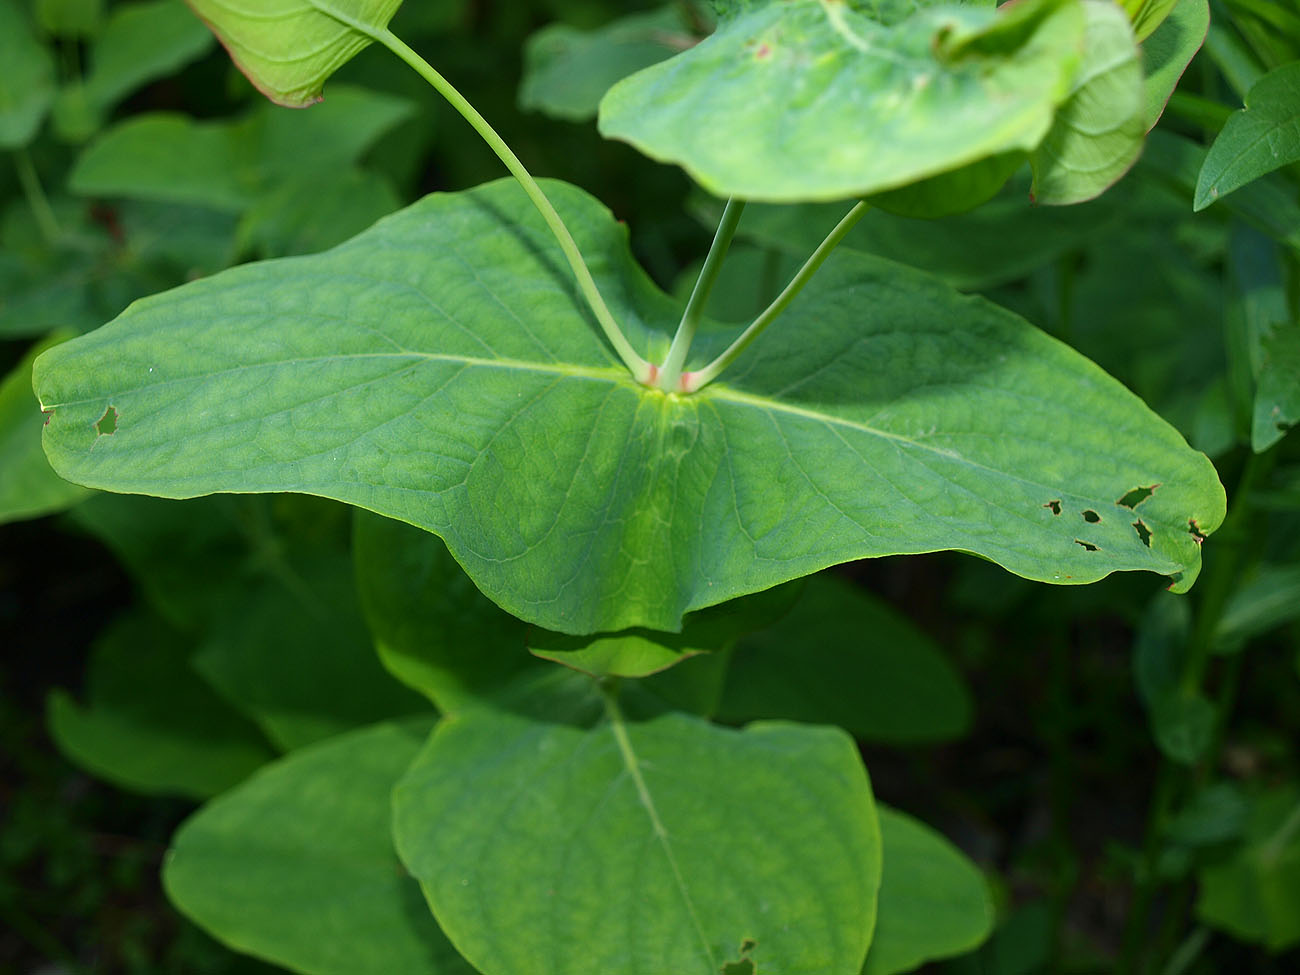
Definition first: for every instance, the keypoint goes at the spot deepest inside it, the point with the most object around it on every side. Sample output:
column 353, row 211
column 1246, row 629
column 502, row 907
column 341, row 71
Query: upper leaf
column 818, row 99
column 1262, row 137
column 441, row 369
column 287, row 48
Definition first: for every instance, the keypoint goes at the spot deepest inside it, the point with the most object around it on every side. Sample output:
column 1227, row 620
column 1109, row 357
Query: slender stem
column 35, row 194
column 1191, row 949
column 691, row 381
column 1285, row 833
column 670, row 373
column 640, row 369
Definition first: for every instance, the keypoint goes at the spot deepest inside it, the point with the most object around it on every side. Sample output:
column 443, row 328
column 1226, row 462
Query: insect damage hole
column 1088, row 546
column 1091, row 517
column 1136, row 496
column 106, row 425
column 1055, row 506
column 1143, row 531
column 745, row 965
column 1194, row 530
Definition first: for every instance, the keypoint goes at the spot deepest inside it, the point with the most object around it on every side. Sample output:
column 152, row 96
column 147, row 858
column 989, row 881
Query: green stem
column 670, row 373
column 1285, row 833
column 35, row 194
column 640, row 369
column 692, row 381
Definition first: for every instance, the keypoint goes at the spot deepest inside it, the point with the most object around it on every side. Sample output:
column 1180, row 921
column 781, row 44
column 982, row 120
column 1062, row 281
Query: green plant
column 608, row 477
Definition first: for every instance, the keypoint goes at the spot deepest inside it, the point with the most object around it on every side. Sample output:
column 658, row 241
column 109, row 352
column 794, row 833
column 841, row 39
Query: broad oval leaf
column 440, row 369
column 288, row 48
column 668, row 845
column 817, row 100
column 1097, row 135
column 1262, row 137
column 934, row 903
column 297, row 865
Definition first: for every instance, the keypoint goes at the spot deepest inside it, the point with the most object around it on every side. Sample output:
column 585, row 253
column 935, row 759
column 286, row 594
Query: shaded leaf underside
column 440, row 369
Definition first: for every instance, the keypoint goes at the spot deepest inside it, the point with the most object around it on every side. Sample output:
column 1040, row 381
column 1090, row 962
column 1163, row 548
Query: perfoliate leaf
column 934, row 903
column 440, row 369
column 296, row 865
column 1262, row 137
column 821, row 100
column 1097, row 135
column 613, row 847
column 288, row 48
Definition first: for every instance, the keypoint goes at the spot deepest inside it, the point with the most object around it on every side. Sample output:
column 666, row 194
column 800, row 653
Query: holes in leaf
column 1135, row 497
column 745, row 965
column 1194, row 530
column 106, row 425
column 1054, row 505
column 1143, row 531
column 1088, row 546
column 1091, row 517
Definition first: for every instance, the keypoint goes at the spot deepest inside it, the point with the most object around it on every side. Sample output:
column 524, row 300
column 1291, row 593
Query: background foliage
column 1119, row 763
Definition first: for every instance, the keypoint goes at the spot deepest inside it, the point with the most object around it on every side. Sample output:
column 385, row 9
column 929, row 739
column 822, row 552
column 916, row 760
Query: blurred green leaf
column 1259, row 603
column 150, row 724
column 26, row 80
column 232, row 165
column 74, row 18
column 1262, row 137
column 1147, row 15
column 696, row 845
column 311, row 216
column 843, row 657
column 567, row 71
column 28, row 487
column 934, row 903
column 297, row 865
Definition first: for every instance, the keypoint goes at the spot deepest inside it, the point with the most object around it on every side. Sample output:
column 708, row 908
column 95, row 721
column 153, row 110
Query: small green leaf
column 865, row 105
column 296, row 866
column 934, row 903
column 567, row 71
column 1265, row 600
column 75, row 18
column 433, row 629
column 1147, row 15
column 1277, row 397
column 1253, row 895
column 28, row 487
column 1262, row 137
column 648, row 846
column 303, row 217
column 1097, row 135
column 27, row 79
column 440, row 369
column 843, row 657
column 639, row 653
column 149, row 723
column 231, row 165
column 140, row 42
column 288, row 48
column 1168, row 51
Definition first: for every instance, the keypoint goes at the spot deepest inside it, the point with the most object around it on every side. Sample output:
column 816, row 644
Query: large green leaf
column 666, row 845
column 440, row 369
column 140, row 42
column 28, row 488
column 567, row 71
column 288, row 48
column 297, row 865
column 231, row 165
column 1262, row 137
column 814, row 99
column 843, row 657
column 1097, row 135
column 934, row 902
column 26, row 80
column 150, row 723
